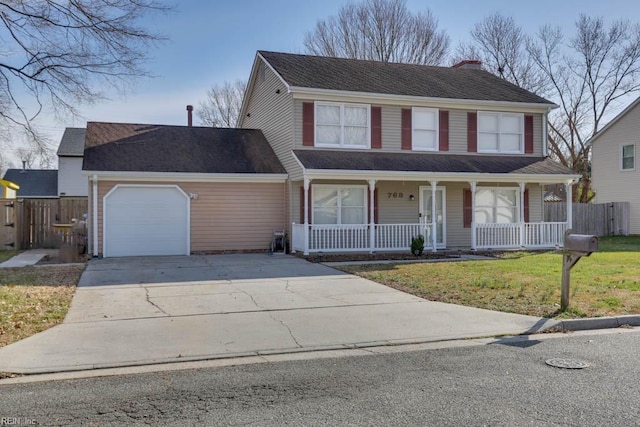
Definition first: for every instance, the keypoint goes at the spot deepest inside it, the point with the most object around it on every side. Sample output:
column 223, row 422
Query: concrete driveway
column 133, row 311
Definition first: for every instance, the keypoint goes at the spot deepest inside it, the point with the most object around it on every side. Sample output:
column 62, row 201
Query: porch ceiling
column 536, row 169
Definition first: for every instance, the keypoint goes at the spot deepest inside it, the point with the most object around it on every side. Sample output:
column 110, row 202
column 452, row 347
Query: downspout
column 95, row 215
column 545, row 133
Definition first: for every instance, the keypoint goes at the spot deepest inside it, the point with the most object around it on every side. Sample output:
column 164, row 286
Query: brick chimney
column 469, row 64
column 189, row 115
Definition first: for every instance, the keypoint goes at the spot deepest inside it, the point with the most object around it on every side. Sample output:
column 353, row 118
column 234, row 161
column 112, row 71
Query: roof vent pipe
column 189, row 115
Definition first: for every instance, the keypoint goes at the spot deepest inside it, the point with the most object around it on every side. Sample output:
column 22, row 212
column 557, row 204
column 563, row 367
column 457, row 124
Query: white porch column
column 307, row 181
column 521, row 214
column 434, row 232
column 94, row 215
column 569, row 191
column 372, row 225
column 473, row 215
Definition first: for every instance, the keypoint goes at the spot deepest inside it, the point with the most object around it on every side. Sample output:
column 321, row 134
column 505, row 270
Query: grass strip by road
column 33, row 299
column 605, row 284
column 5, row 255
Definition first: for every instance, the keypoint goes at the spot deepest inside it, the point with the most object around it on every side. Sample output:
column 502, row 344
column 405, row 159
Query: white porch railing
column 357, row 237
column 338, row 238
column 391, row 237
column 520, row 235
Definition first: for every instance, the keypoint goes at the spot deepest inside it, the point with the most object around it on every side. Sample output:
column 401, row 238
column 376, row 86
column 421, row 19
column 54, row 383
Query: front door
column 440, row 212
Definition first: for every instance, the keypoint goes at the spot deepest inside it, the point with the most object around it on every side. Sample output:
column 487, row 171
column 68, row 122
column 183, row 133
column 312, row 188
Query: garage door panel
column 146, row 220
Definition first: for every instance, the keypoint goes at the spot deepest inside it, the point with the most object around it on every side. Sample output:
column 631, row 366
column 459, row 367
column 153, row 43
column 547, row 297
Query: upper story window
column 342, row 125
column 500, row 132
column 628, row 157
column 424, row 133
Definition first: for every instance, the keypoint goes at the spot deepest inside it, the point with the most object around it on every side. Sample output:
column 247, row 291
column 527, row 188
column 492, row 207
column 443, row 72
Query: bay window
column 500, row 132
column 497, row 205
column 335, row 204
column 342, row 125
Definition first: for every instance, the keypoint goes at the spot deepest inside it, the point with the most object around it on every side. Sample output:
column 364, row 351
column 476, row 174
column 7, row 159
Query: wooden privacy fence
column 39, row 223
column 602, row 219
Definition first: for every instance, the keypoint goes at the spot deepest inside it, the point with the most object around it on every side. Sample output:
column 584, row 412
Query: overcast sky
column 211, row 41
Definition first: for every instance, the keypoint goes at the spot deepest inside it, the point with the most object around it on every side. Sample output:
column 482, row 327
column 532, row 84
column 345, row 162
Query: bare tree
column 223, row 104
column 585, row 75
column 381, row 30
column 56, row 54
column 501, row 45
column 588, row 75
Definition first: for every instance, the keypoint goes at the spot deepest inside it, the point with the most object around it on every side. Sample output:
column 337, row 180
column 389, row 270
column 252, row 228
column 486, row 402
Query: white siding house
column 615, row 169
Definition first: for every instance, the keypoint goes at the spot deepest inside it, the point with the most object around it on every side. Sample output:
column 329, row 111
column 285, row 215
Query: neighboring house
column 615, row 173
column 378, row 152
column 34, row 183
column 9, row 189
column 71, row 182
column 177, row 190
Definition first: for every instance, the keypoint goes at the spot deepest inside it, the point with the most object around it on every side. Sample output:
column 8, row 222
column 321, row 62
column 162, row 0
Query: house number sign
column 395, row 195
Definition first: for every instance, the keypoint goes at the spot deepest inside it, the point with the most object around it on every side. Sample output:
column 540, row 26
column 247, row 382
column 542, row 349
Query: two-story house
column 614, row 162
column 377, row 153
column 344, row 155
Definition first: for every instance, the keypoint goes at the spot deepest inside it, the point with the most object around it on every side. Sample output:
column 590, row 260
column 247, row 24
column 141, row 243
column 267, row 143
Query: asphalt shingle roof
column 353, row 75
column 72, row 142
column 34, row 182
column 428, row 162
column 162, row 148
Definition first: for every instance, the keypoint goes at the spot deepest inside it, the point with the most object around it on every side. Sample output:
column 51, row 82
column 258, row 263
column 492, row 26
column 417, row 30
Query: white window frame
column 342, row 126
column 414, row 110
column 622, row 168
column 495, row 207
column 499, row 115
column 339, row 188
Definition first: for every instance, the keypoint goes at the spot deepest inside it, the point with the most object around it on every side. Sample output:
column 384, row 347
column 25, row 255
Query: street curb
column 598, row 323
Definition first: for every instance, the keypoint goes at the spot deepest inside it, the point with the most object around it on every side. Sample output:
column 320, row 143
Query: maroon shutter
column 302, row 205
column 466, row 208
column 308, row 128
column 528, row 134
column 406, row 129
column 472, row 132
column 375, row 206
column 376, row 127
column 444, row 131
column 526, row 205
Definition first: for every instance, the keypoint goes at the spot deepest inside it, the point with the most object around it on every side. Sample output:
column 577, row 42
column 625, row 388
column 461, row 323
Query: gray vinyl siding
column 273, row 113
column 392, row 129
column 610, row 182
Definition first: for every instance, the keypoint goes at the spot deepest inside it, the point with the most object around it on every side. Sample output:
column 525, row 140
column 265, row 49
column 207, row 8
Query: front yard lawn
column 605, row 284
column 33, row 299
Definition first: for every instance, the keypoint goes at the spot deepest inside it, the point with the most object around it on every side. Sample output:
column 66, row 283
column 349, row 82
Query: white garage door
column 146, row 220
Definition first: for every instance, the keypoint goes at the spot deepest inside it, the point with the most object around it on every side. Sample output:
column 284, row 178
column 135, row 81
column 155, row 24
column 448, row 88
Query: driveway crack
column 287, row 328
column 270, row 314
column 146, row 291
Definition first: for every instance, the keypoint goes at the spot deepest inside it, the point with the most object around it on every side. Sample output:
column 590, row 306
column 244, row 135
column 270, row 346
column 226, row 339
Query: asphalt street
column 504, row 383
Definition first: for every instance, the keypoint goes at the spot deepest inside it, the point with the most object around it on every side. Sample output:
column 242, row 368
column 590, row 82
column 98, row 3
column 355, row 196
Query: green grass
column 5, row 255
column 33, row 299
column 606, row 283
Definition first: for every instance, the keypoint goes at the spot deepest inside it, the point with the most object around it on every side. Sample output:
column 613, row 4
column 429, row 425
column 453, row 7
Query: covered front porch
column 449, row 213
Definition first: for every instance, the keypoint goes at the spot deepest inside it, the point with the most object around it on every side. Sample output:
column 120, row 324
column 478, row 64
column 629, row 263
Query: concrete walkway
column 137, row 311
column 30, row 257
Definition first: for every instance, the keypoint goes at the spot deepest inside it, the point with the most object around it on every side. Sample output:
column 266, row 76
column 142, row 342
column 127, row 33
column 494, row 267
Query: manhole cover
column 567, row 363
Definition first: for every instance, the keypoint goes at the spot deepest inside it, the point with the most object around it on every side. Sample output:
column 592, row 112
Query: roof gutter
column 187, row 177
column 439, row 176
column 330, row 94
